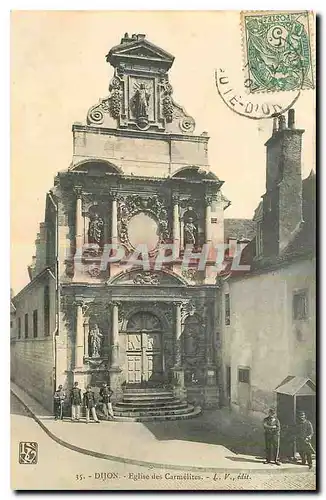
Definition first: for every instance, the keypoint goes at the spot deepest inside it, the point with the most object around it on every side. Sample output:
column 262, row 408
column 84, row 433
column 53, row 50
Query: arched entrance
column 144, row 349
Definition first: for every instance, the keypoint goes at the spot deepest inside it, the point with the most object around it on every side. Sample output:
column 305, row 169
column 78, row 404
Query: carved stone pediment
column 139, row 277
column 140, row 93
column 138, row 51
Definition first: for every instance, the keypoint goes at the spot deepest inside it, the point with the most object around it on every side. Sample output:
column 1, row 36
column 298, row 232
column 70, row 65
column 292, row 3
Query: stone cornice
column 74, row 174
column 139, row 134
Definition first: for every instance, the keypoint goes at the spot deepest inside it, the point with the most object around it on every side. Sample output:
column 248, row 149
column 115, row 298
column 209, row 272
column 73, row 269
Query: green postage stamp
column 277, row 51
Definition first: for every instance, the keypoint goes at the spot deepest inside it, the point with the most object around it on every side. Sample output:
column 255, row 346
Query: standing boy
column 75, row 401
column 106, row 393
column 89, row 403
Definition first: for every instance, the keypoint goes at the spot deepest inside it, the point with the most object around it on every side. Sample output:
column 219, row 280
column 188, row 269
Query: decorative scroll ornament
column 133, row 204
column 192, row 275
column 146, row 278
column 94, row 271
column 111, row 104
column 187, row 124
column 95, row 115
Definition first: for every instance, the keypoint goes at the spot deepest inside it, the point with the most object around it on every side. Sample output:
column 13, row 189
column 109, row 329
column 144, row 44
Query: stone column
column 115, row 335
column 178, row 371
column 178, row 331
column 79, row 339
column 79, row 222
column 114, row 219
column 208, row 216
column 115, row 370
column 181, row 234
column 86, row 332
column 176, row 225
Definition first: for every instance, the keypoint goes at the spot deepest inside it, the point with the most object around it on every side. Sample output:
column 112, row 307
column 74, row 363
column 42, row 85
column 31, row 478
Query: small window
column 46, row 311
column 214, row 220
column 300, row 305
column 228, row 382
column 19, row 328
column 227, row 308
column 11, row 324
column 35, row 324
column 26, row 326
column 244, row 375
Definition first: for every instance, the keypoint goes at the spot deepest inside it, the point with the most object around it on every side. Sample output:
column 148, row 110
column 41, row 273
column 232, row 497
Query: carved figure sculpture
column 190, row 231
column 95, row 337
column 140, row 104
column 95, row 230
column 142, row 101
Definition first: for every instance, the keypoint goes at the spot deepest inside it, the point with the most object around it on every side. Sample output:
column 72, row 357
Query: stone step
column 135, row 399
column 147, row 394
column 152, row 418
column 142, row 405
column 154, row 413
column 152, row 408
column 147, row 390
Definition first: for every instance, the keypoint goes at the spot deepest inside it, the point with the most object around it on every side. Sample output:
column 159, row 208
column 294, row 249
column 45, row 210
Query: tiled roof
column 239, row 229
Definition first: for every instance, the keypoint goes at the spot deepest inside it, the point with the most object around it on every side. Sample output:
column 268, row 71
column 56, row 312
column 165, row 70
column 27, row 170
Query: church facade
column 125, row 288
column 139, row 181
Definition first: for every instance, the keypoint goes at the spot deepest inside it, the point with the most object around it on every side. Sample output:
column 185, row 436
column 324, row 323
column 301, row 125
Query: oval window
column 143, row 230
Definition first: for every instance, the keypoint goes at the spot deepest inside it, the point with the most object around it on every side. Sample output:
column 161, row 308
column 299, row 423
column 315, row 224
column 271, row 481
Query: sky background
column 58, row 71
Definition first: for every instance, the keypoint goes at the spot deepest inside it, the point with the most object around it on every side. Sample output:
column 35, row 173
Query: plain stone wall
column 32, row 359
column 32, row 368
column 263, row 335
column 152, row 157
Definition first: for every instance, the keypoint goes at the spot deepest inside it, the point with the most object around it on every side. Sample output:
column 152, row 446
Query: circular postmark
column 255, row 107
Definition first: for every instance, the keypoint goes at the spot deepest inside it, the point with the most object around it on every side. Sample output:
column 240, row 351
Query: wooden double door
column 144, row 357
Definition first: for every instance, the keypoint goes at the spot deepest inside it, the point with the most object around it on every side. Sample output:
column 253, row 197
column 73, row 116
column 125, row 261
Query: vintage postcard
column 163, row 298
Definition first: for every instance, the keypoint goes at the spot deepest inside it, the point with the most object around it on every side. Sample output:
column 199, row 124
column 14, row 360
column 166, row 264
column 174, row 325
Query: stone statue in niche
column 190, row 232
column 95, row 230
column 140, row 103
column 95, row 339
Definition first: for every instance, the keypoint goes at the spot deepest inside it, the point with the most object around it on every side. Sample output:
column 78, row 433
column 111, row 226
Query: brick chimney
column 282, row 202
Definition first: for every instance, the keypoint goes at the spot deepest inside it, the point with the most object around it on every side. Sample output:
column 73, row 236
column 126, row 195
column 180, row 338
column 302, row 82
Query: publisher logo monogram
column 28, row 451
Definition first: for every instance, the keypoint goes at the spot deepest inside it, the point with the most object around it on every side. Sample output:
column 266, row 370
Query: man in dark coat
column 90, row 403
column 75, row 401
column 106, row 393
column 303, row 435
column 58, row 399
column 272, row 430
